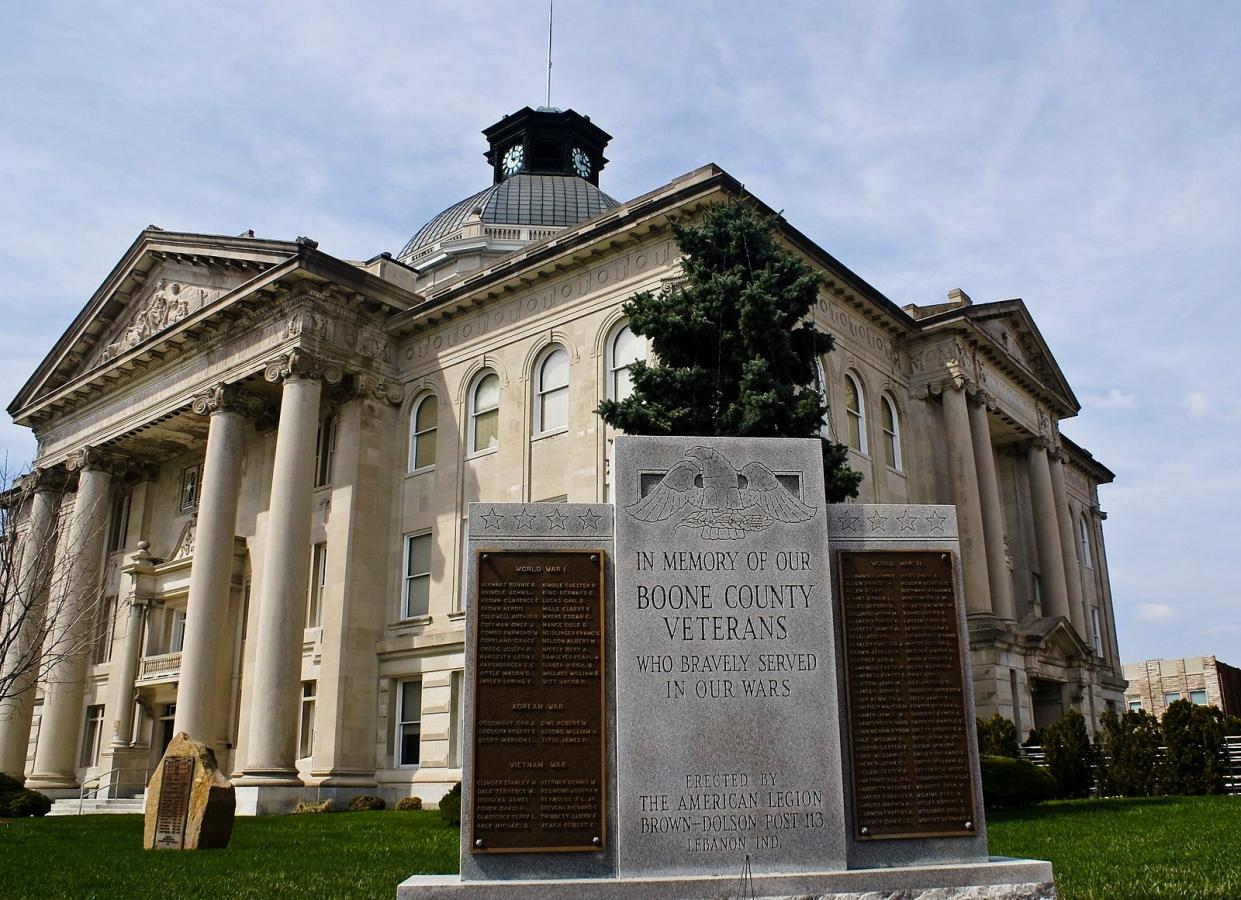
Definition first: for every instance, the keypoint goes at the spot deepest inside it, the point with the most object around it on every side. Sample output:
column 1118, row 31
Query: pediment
column 163, row 278
column 1056, row 637
column 1012, row 330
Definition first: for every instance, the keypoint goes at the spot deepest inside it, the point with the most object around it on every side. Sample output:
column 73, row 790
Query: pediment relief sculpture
column 169, row 303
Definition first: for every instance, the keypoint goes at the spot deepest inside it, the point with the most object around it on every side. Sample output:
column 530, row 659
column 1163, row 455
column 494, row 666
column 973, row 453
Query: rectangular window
column 318, row 579
column 417, row 601
column 118, row 522
column 1198, row 697
column 177, row 639
column 1135, row 705
column 456, row 726
column 101, row 639
column 306, row 731
column 190, row 483
column 325, row 451
column 91, row 736
column 1096, row 629
column 1171, row 697
column 408, row 723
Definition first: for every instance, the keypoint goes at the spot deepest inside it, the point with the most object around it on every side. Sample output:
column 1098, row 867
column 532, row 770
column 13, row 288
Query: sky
column 1085, row 157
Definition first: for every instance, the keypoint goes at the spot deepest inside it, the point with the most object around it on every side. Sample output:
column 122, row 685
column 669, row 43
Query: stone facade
column 1156, row 683
column 286, row 443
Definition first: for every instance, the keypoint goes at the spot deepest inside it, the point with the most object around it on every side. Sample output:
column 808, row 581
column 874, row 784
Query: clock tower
column 546, row 141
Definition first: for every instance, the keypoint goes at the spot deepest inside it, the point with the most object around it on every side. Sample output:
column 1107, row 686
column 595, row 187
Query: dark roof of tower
column 523, row 199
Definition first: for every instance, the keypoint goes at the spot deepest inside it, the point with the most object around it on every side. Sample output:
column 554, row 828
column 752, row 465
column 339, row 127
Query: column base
column 274, row 777
column 998, row 878
column 45, row 783
column 270, row 800
column 344, row 778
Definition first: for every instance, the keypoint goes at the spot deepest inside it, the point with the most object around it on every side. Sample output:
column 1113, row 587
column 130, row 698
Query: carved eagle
column 724, row 503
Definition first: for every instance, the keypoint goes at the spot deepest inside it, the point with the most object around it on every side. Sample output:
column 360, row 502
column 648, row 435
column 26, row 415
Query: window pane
column 626, row 348
column 555, row 372
column 419, row 555
column 486, row 430
column 411, row 701
column 487, row 394
column 851, row 396
column 889, row 420
column 1198, row 697
column 855, row 431
column 554, row 411
column 1171, row 697
column 622, row 385
column 409, row 745
column 428, row 414
column 418, row 596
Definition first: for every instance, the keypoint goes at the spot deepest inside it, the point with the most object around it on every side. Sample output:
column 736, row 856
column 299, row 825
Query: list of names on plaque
column 907, row 711
column 176, row 782
column 538, row 702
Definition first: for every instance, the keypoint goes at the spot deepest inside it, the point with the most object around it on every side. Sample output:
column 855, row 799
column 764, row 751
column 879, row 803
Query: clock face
column 581, row 162
column 513, row 159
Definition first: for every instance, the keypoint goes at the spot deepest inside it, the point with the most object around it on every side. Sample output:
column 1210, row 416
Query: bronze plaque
column 174, row 802
column 908, row 726
column 539, row 702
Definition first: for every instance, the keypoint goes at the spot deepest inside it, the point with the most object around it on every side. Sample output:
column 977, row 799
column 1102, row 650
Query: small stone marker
column 190, row 804
column 727, row 722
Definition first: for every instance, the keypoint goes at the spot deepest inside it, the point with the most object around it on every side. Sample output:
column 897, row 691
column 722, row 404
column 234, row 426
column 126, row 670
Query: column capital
column 301, row 364
column 141, row 470
column 45, row 478
column 225, row 397
column 381, row 389
column 95, row 459
column 979, row 397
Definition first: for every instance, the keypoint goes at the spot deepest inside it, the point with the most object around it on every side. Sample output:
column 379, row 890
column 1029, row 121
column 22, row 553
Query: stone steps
column 96, row 807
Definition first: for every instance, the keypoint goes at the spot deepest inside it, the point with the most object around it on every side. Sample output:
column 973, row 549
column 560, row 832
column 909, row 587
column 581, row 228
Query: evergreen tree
column 734, row 343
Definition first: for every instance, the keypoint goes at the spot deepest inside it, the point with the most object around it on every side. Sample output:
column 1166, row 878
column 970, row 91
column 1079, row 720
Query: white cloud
column 1197, row 404
column 1156, row 612
column 1113, row 399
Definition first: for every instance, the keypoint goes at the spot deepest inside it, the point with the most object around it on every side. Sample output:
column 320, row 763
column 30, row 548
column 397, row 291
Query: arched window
column 551, row 386
column 624, row 349
column 1083, row 528
column 422, row 430
column 855, row 412
column 891, row 433
column 485, row 412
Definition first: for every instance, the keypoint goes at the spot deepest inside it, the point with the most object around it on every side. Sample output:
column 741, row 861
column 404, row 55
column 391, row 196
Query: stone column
column 999, row 578
column 1047, row 533
column 205, row 653
column 74, row 594
column 124, row 672
column 1068, row 548
column 29, row 597
column 964, row 476
column 271, row 751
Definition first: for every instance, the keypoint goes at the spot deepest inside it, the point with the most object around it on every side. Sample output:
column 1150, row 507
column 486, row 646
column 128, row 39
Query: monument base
column 1000, row 878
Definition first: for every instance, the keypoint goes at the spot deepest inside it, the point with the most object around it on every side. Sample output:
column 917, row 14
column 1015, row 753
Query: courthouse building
column 269, row 454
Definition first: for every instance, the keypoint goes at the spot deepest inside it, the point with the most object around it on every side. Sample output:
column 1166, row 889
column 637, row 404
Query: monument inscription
column 539, row 781
column 726, row 697
column 174, row 802
column 906, row 699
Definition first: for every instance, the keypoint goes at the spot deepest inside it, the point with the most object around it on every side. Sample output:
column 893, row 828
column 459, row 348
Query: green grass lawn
column 1163, row 847
column 353, row 854
column 1156, row 847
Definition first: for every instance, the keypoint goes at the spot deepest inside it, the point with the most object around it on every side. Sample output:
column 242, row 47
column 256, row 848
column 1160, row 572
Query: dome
column 546, row 201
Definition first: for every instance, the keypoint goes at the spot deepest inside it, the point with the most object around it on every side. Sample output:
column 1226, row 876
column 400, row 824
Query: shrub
column 304, row 807
column 1008, row 783
column 1070, row 756
column 1192, row 761
column 1232, row 726
column 27, row 803
column 365, row 802
column 1129, row 763
column 997, row 736
column 450, row 805
column 406, row 803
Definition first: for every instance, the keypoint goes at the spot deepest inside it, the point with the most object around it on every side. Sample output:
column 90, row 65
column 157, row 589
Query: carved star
column 557, row 519
column 492, row 519
column 906, row 521
column 524, row 519
column 590, row 519
column 850, row 522
column 875, row 520
column 937, row 521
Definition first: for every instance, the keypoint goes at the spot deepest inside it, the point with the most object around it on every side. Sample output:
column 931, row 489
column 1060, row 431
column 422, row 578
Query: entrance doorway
column 1048, row 699
column 167, row 721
